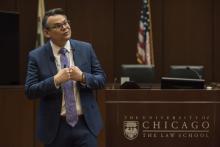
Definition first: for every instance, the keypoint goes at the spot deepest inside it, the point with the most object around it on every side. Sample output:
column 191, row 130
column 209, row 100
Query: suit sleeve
column 95, row 79
column 36, row 87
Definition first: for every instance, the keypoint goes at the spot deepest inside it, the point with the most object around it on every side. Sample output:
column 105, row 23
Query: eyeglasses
column 59, row 26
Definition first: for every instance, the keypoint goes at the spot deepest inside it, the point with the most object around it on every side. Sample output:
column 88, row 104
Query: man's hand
column 75, row 73
column 62, row 76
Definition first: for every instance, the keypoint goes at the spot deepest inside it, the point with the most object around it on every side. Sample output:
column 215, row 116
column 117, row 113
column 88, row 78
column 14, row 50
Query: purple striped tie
column 69, row 97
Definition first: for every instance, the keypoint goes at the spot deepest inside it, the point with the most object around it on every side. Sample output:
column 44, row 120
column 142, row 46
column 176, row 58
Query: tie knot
column 63, row 51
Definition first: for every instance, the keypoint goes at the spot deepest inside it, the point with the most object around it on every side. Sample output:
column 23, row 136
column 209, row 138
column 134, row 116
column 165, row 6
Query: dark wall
column 184, row 31
column 16, row 122
column 216, row 40
column 188, row 34
column 9, row 28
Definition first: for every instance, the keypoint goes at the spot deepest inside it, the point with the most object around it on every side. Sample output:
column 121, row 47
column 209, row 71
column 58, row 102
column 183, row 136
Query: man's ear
column 46, row 33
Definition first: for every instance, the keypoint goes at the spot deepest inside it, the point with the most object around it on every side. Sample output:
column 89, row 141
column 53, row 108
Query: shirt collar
column 56, row 48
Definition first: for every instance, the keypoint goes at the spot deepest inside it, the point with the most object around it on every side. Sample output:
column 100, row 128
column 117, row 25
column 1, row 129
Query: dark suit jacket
column 40, row 84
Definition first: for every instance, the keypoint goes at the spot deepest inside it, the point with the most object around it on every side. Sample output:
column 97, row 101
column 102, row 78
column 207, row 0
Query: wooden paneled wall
column 17, row 118
column 216, row 41
column 184, row 32
column 188, row 34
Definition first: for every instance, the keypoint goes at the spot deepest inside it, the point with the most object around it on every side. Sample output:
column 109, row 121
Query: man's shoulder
column 75, row 42
column 40, row 49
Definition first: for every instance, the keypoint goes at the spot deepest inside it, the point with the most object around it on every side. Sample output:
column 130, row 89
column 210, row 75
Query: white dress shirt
column 69, row 55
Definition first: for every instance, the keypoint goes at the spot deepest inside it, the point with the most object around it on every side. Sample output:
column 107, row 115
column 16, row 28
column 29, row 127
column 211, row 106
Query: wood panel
column 156, row 114
column 184, row 32
column 92, row 21
column 28, row 19
column 216, row 41
column 49, row 4
column 16, row 123
column 188, row 33
column 157, row 29
column 126, row 23
column 9, row 5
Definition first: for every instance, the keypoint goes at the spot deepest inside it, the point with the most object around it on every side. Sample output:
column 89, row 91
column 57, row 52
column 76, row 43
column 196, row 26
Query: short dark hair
column 51, row 12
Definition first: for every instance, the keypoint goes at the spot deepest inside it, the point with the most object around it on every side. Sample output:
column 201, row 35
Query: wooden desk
column 168, row 118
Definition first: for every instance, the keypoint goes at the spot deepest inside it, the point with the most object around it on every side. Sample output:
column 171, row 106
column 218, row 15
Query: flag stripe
column 145, row 43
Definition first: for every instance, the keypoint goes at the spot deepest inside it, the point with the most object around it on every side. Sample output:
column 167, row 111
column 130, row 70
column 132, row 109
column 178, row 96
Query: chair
column 138, row 73
column 187, row 71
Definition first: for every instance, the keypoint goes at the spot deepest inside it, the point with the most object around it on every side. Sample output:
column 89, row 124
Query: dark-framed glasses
column 59, row 26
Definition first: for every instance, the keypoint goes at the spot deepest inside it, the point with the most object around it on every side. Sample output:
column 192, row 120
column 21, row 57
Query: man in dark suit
column 46, row 77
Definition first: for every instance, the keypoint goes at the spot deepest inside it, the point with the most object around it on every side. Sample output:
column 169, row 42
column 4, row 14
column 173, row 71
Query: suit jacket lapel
column 51, row 63
column 76, row 54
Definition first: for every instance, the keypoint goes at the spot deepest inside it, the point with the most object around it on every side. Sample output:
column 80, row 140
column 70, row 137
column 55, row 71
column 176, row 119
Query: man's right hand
column 62, row 76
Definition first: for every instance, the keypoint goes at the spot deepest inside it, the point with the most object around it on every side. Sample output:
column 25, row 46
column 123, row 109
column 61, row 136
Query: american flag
column 145, row 43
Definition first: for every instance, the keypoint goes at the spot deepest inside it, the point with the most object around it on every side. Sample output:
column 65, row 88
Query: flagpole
column 40, row 14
